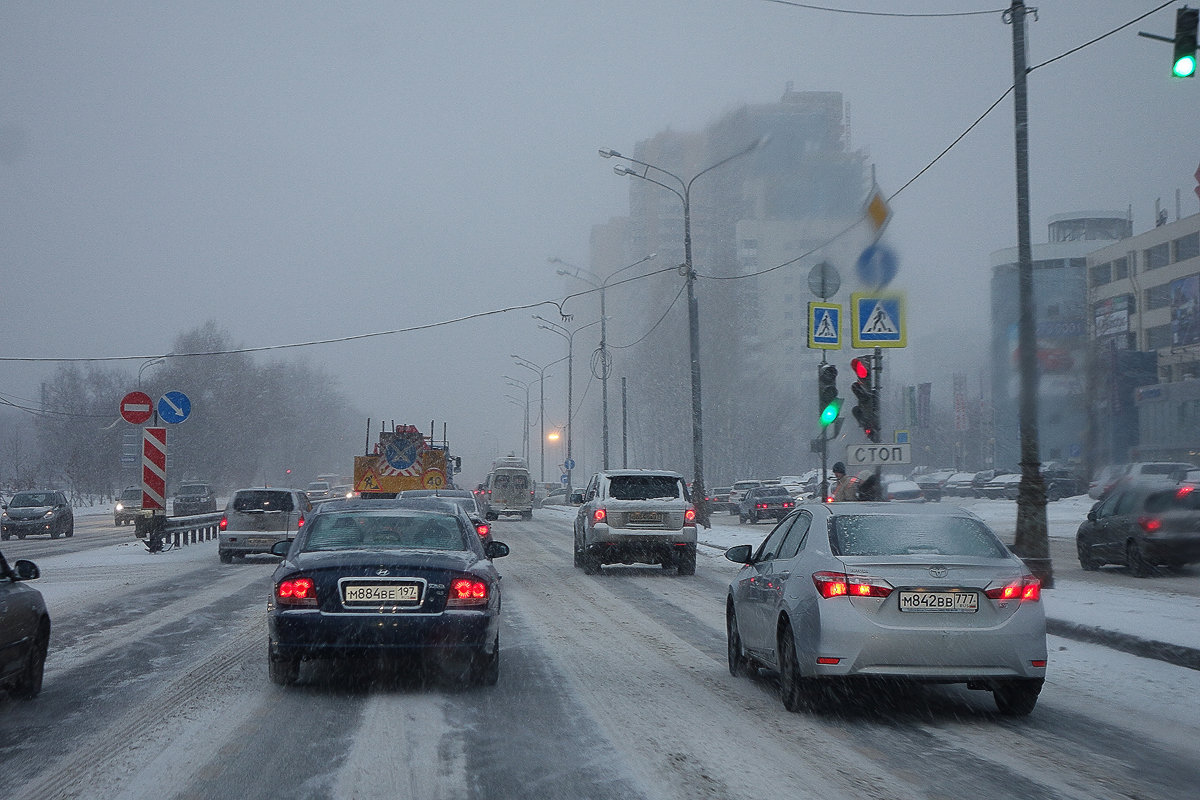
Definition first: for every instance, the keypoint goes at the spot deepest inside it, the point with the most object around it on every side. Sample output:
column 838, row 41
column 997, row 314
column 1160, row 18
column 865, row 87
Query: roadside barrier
column 181, row 531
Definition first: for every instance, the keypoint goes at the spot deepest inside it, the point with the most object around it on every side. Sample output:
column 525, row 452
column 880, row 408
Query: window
column 1120, row 268
column 1158, row 296
column 877, row 535
column 1187, row 246
column 263, row 501
column 1101, row 274
column 1158, row 337
column 795, row 536
column 643, row 487
column 1158, row 256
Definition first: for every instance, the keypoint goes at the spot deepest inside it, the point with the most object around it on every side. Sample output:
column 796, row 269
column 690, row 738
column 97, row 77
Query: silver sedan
column 842, row 594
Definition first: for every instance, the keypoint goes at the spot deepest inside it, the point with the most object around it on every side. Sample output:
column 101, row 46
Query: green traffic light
column 1185, row 67
column 830, row 412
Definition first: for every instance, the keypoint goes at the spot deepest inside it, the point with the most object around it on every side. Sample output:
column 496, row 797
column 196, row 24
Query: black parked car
column 24, row 630
column 1142, row 525
column 43, row 512
column 765, row 502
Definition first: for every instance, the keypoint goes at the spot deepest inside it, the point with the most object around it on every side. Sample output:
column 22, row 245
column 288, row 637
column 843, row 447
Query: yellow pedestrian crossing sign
column 824, row 326
column 877, row 320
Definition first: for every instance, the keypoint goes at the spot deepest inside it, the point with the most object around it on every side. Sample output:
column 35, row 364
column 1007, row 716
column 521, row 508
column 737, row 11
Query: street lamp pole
column 684, row 192
column 605, row 361
column 149, row 363
column 541, row 371
column 525, row 439
column 569, row 335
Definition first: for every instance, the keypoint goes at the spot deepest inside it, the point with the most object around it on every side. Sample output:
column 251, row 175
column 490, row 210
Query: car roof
column 612, row 472
column 882, row 509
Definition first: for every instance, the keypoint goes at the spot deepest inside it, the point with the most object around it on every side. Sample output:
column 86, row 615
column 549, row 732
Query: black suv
column 194, row 498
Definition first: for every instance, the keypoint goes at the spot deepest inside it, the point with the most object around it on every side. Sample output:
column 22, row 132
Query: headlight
column 48, row 514
column 120, row 507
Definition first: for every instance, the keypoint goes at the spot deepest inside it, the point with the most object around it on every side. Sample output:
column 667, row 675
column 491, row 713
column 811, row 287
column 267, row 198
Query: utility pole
column 1032, row 541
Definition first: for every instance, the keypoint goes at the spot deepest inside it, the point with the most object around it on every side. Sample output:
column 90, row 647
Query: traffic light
column 828, row 403
column 1186, row 20
column 866, row 413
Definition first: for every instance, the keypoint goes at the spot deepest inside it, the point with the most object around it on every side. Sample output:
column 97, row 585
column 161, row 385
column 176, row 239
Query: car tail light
column 689, row 517
column 839, row 584
column 598, row 516
column 223, row 524
column 296, row 592
column 1150, row 524
column 1184, row 491
column 300, row 522
column 483, row 529
column 1027, row 588
column 788, row 504
column 467, row 592
column 760, row 505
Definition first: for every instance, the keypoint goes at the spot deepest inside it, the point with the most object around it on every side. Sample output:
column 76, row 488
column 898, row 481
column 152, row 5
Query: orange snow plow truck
column 404, row 459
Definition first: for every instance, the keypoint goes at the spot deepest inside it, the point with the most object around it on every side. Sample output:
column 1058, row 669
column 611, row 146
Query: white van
column 508, row 490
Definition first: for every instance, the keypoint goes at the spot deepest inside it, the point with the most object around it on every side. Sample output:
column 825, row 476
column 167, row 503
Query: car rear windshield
column 883, row 535
column 773, row 492
column 357, row 531
column 192, row 490
column 512, row 480
column 263, row 500
column 1183, row 499
column 644, row 487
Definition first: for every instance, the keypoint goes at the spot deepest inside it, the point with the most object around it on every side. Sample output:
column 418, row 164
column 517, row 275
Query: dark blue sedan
column 387, row 581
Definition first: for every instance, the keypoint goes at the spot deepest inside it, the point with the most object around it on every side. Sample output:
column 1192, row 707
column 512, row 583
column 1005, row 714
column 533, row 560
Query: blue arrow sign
column 174, row 407
column 569, row 464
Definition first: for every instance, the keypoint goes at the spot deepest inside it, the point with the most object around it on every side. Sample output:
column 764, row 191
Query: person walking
column 843, row 488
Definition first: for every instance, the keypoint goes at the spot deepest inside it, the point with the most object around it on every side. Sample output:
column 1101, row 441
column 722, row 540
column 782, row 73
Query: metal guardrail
column 181, row 530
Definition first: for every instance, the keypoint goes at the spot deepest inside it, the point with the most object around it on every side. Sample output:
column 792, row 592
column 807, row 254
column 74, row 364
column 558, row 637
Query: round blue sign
column 569, row 464
column 563, row 479
column 876, row 266
column 400, row 453
column 174, row 407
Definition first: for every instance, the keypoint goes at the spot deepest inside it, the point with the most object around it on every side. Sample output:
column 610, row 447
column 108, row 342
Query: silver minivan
column 255, row 519
column 509, row 490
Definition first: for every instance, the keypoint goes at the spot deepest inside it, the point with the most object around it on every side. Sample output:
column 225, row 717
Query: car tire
column 738, row 664
column 578, row 551
column 486, row 666
column 590, row 563
column 792, row 689
column 1135, row 559
column 685, row 560
column 741, row 519
column 1086, row 561
column 1016, row 698
column 70, row 530
column 490, row 517
column 21, row 535
column 4, row 536
column 226, row 557
column 54, row 533
column 284, row 671
column 29, row 684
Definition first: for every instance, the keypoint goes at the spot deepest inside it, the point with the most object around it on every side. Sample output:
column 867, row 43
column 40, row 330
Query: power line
column 855, row 12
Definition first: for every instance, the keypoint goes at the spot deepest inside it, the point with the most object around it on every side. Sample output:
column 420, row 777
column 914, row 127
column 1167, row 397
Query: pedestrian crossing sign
column 824, row 326
column 877, row 320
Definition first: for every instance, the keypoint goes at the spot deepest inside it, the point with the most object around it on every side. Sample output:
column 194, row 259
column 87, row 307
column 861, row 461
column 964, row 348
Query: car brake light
column 1150, row 524
column 598, row 515
column 760, row 505
column 300, row 522
column 838, row 584
column 1184, row 491
column 1026, row 588
column 466, row 592
column 482, row 529
column 296, row 592
column 223, row 524
column 689, row 516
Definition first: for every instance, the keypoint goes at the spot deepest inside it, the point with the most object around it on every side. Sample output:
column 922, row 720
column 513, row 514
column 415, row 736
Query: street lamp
column 601, row 284
column 684, row 194
column 147, row 364
column 520, row 384
column 541, row 371
column 569, row 335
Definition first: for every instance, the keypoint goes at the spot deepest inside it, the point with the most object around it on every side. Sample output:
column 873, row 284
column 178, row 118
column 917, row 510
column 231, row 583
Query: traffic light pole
column 876, row 391
column 824, row 442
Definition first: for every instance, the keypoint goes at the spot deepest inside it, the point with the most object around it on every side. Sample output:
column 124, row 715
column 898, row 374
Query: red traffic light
column 860, row 367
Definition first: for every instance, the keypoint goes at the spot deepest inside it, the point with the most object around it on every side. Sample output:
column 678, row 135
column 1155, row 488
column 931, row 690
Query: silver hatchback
column 256, row 519
column 845, row 593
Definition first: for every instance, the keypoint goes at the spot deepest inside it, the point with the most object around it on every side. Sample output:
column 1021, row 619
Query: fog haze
column 312, row 171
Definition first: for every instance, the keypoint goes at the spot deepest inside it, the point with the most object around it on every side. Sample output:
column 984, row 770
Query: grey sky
column 303, row 171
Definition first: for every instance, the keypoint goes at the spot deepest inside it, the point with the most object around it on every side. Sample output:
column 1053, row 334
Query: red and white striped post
column 154, row 470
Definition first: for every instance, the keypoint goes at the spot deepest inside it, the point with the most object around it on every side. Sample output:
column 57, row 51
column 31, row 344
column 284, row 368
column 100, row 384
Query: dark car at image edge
column 24, row 630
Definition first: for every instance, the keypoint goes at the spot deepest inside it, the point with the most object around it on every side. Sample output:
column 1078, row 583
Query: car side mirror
column 1091, row 515
column 26, row 570
column 494, row 549
column 281, row 548
column 740, row 554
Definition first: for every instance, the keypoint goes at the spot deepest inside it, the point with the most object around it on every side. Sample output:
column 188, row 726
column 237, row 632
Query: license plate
column 646, row 517
column 382, row 593
column 962, row 602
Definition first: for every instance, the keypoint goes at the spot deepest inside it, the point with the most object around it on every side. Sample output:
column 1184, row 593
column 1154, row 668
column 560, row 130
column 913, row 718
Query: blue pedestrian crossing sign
column 824, row 326
column 877, row 320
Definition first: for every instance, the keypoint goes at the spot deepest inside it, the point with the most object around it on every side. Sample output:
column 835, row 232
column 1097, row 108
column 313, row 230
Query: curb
column 1176, row 654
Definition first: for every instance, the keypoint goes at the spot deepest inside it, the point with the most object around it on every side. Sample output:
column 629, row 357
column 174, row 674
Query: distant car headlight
column 49, row 514
column 120, row 507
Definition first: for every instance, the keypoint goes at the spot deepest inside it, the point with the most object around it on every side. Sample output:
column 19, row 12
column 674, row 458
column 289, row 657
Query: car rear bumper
column 250, row 542
column 316, row 634
column 1174, row 549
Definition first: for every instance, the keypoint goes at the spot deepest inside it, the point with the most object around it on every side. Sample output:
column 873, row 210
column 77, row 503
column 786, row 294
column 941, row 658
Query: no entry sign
column 136, row 407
